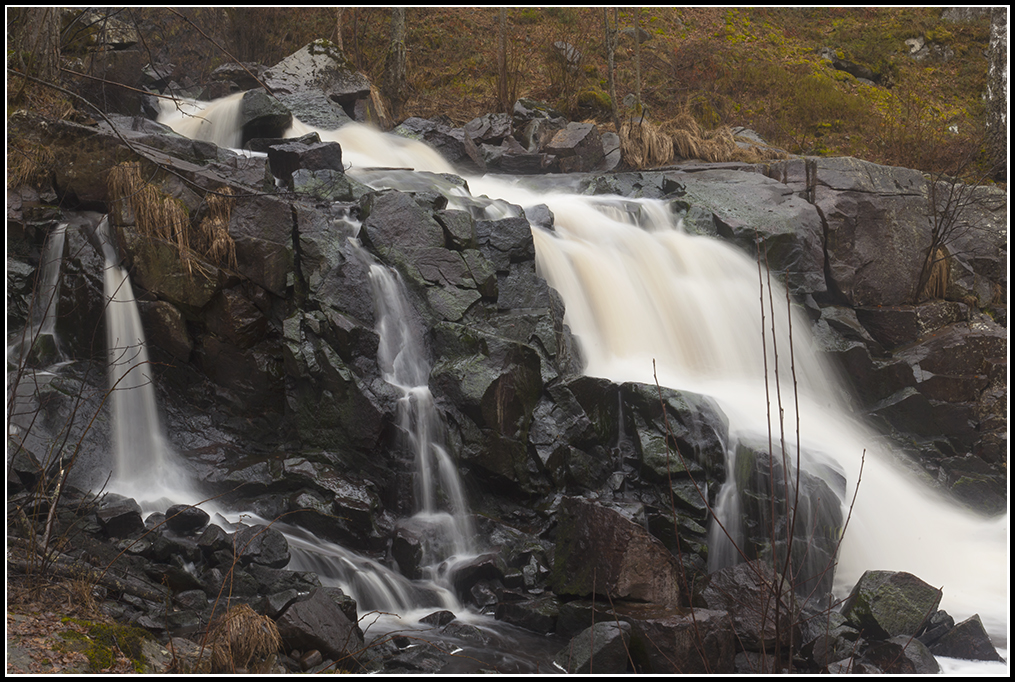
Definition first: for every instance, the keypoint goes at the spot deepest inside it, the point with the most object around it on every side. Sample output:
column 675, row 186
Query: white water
column 144, row 463
column 404, row 365
column 652, row 301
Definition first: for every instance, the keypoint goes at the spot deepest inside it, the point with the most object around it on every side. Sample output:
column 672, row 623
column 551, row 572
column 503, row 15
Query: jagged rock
column 261, row 545
column 120, row 516
column 902, row 654
column 262, row 115
column 246, row 75
column 317, row 84
column 748, row 593
column 601, row 649
column 538, row 615
column 317, row 622
column 578, row 148
column 489, row 128
column 967, row 640
column 166, row 327
column 285, row 158
column 682, row 642
column 747, row 207
column 884, row 604
column 817, row 517
column 601, row 552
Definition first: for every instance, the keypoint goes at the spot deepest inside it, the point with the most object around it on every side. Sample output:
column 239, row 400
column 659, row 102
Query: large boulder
column 600, row 551
column 318, row 85
column 884, row 604
column 758, row 213
column 318, row 622
column 600, row 649
column 748, row 592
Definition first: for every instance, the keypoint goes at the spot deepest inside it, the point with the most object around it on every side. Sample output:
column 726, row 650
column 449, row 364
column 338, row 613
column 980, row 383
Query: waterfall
column 144, row 465
column 404, row 365
column 647, row 300
column 37, row 342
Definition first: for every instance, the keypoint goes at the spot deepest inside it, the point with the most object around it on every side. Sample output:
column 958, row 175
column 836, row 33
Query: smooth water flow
column 440, row 499
column 647, row 300
column 145, row 467
column 45, row 308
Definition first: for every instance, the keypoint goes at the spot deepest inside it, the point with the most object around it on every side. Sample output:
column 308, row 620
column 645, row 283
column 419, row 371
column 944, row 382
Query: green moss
column 101, row 639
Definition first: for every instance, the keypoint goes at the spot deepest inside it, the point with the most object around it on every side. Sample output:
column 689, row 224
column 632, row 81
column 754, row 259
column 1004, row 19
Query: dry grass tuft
column 219, row 247
column 937, row 280
column 28, row 163
column 243, row 639
column 691, row 142
column 155, row 214
column 643, row 145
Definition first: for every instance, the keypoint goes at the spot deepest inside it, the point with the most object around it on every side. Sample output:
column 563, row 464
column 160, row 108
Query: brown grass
column 28, row 163
column 243, row 639
column 219, row 247
column 155, row 213
column 937, row 280
column 643, row 145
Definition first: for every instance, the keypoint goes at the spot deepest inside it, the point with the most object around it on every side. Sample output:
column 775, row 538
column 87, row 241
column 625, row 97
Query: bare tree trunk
column 394, row 65
column 611, row 49
column 34, row 40
column 355, row 38
column 502, row 74
column 997, row 92
column 338, row 28
column 637, row 62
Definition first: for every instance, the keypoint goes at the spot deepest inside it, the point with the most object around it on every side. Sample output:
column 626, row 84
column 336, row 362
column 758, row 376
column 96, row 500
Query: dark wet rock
column 538, row 615
column 120, row 516
column 318, row 85
column 902, row 654
column 747, row 592
column 287, row 157
column 677, row 641
column 599, row 551
column 937, row 625
column 578, row 148
column 455, row 145
column 489, row 128
column 317, row 622
column 884, row 604
column 748, row 207
column 438, row 618
column 261, row 545
column 967, row 640
column 601, row 649
column 760, row 478
column 262, row 115
column 186, row 519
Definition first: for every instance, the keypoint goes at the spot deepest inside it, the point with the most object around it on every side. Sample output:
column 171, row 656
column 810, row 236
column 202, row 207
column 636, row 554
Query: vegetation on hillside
column 768, row 69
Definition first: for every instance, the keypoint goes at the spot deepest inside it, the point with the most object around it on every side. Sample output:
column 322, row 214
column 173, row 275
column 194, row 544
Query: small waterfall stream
column 404, row 366
column 144, row 463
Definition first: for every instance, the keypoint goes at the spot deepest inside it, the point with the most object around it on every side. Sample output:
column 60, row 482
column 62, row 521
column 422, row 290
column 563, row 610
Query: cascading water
column 38, row 339
column 404, row 365
column 144, row 464
column 646, row 300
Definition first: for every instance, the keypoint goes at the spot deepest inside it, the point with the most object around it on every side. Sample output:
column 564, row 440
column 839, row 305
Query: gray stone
column 601, row 649
column 884, row 604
